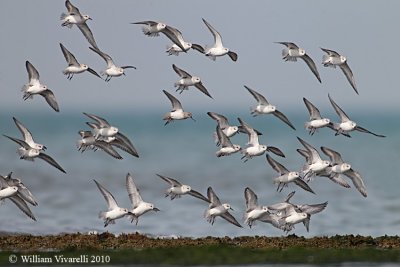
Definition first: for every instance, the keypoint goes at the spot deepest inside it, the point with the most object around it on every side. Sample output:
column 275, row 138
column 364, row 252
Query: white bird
column 139, row 207
column 264, row 107
column 177, row 112
column 346, row 125
column 113, row 212
column 253, row 210
column 112, row 70
column 292, row 52
column 74, row 66
column 254, row 148
column 10, row 190
column 315, row 163
column 218, row 48
column 73, row 16
column 89, row 141
column 223, row 123
column 187, row 80
column 333, row 59
column 285, row 177
column 23, row 191
column 227, row 148
column 26, row 152
column 35, row 87
column 177, row 189
column 316, row 121
column 216, row 208
column 340, row 167
column 27, row 135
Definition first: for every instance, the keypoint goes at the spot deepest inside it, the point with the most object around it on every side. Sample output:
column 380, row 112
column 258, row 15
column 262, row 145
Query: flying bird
column 264, row 107
column 73, row 16
column 216, row 208
column 139, row 207
column 187, row 80
column 73, row 65
column 227, row 148
column 254, row 211
column 316, row 121
column 333, row 59
column 177, row 189
column 177, row 112
column 112, row 70
column 113, row 212
column 218, row 48
column 35, row 87
column 292, row 52
column 346, row 125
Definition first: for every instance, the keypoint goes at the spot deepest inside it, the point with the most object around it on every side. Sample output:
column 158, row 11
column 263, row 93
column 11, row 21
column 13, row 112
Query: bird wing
column 313, row 110
column 221, row 119
column 357, row 181
column 215, row 33
column 251, row 199
column 24, row 131
column 343, row 116
column 213, row 198
column 283, row 118
column 222, row 138
column 303, row 185
column 363, row 130
column 259, row 97
column 330, row 52
column 18, row 141
column 334, row 156
column 102, row 122
column 133, row 191
column 92, row 71
column 171, row 181
column 253, row 136
column 314, row 155
column 174, row 35
column 21, row 204
column 201, row 87
column 51, row 161
column 69, row 57
column 312, row 209
column 198, row 195
column 88, row 34
column 33, row 74
column 125, row 144
column 111, row 202
column 106, row 57
column 276, row 165
column 181, row 72
column 106, row 147
column 289, row 45
column 50, row 99
column 310, row 63
column 227, row 216
column 71, row 8
column 174, row 101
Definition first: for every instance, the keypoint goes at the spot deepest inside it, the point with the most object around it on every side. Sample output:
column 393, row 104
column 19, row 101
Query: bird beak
column 156, row 209
column 90, row 18
column 124, row 73
column 192, row 119
column 44, row 147
column 231, row 208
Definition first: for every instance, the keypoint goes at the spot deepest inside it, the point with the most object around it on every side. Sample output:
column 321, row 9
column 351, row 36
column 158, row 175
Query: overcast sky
column 366, row 32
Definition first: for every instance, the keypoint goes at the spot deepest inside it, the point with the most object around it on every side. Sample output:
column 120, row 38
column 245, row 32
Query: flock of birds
column 103, row 136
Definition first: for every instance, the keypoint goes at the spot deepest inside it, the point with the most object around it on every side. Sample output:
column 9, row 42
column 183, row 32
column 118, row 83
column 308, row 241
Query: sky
column 364, row 31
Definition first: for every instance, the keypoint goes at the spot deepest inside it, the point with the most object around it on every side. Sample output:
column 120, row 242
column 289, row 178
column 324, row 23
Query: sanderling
column 177, row 112
column 34, row 87
column 27, row 135
column 73, row 16
column 216, row 208
column 23, row 191
column 333, row 59
column 73, row 65
column 218, row 48
column 177, row 189
column 292, row 52
column 253, row 210
column 112, row 70
column 223, row 123
column 139, row 207
column 314, row 163
column 113, row 210
column 227, row 148
column 187, row 80
column 110, row 134
column 346, row 125
column 89, row 141
column 285, row 177
column 264, row 107
column 340, row 167
column 254, row 148
column 316, row 121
